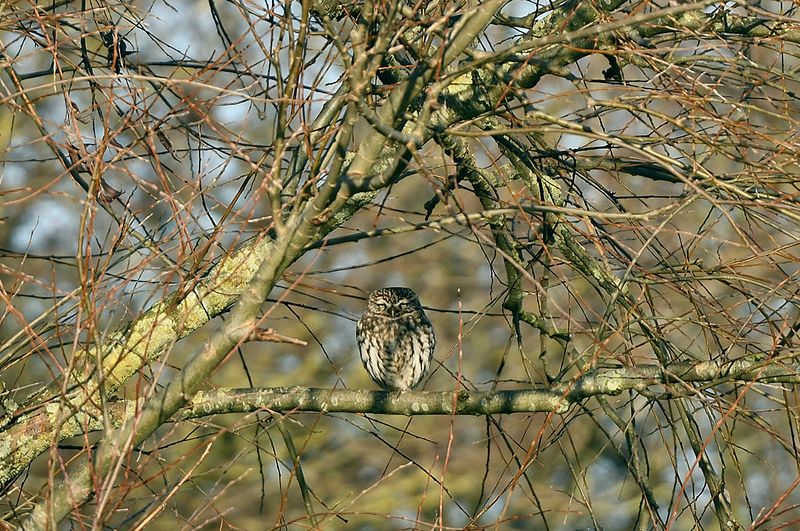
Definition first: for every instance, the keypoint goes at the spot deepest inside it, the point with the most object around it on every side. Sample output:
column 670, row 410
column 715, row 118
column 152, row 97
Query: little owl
column 395, row 338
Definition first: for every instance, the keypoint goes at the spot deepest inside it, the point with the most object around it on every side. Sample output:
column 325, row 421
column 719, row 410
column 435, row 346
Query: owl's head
column 393, row 302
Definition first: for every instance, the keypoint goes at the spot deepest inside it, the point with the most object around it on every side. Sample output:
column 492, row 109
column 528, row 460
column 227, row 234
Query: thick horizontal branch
column 407, row 403
column 557, row 398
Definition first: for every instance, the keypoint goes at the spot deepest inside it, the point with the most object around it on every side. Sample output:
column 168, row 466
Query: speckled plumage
column 395, row 338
